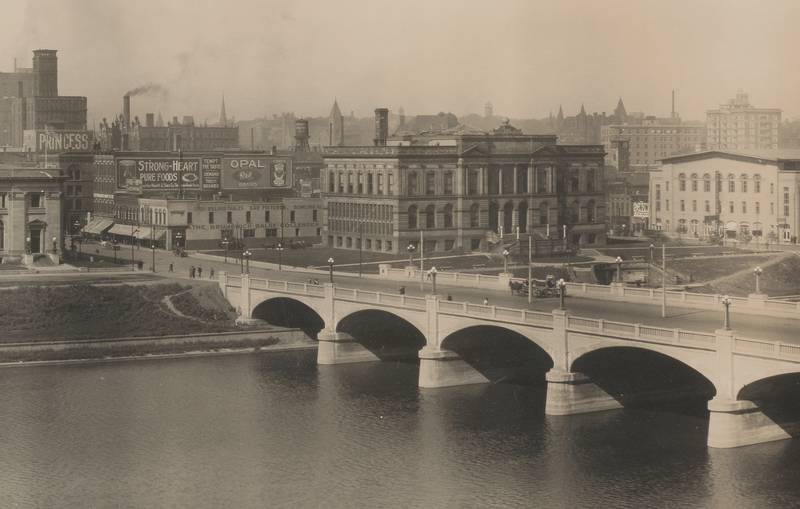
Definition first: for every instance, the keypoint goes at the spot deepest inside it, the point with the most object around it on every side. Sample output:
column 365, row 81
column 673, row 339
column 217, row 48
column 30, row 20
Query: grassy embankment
column 779, row 278
column 86, row 312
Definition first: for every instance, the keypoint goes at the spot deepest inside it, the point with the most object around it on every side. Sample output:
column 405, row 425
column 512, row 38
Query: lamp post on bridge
column 225, row 242
column 652, row 247
column 330, row 268
column 726, row 301
column 505, row 260
column 279, row 249
column 432, row 275
column 562, row 291
column 153, row 249
column 757, row 272
column 619, row 269
column 246, row 255
column 410, row 248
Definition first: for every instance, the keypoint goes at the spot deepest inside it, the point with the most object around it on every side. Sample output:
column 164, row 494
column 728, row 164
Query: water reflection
column 277, row 430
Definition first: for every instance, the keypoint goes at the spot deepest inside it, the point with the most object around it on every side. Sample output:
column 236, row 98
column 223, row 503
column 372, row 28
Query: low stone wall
column 412, row 274
column 121, row 347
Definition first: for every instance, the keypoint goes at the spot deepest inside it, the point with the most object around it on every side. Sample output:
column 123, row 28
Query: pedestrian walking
column 402, row 290
column 199, row 272
column 485, row 301
column 211, row 274
column 191, row 272
column 171, row 268
column 449, row 297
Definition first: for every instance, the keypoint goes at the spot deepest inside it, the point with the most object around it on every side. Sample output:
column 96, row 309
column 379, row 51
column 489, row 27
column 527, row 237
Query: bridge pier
column 445, row 368
column 735, row 423
column 341, row 348
column 574, row 393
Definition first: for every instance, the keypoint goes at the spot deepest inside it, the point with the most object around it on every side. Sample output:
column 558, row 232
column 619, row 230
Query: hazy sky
column 527, row 57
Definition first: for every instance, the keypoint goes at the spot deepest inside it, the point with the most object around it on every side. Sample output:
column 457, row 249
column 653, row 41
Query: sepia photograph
column 381, row 254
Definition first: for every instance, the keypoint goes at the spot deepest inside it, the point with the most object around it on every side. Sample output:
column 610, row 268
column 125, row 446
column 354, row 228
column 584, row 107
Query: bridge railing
column 643, row 332
column 769, row 349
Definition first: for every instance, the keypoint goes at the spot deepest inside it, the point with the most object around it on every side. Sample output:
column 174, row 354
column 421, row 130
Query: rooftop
column 773, row 155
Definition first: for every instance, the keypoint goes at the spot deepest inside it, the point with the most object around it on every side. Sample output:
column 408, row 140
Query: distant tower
column 674, row 114
column 402, row 114
column 560, row 117
column 45, row 73
column 488, row 110
column 223, row 118
column 620, row 112
column 335, row 126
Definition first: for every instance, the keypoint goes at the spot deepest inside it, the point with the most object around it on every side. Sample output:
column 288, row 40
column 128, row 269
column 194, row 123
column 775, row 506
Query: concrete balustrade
column 730, row 362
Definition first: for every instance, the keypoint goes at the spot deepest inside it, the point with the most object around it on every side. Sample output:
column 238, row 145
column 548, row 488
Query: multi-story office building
column 738, row 125
column 641, row 144
column 462, row 189
column 752, row 194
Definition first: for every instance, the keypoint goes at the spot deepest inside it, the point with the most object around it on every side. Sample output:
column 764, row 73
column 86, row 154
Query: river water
column 276, row 430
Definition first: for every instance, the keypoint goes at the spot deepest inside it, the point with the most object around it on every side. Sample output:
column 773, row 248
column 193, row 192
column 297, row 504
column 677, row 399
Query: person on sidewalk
column 486, row 301
column 211, row 274
column 199, row 272
column 171, row 268
column 191, row 272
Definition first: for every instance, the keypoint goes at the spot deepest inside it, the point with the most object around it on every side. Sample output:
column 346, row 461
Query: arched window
column 694, row 182
column 731, row 183
column 544, row 213
column 430, row 216
column 706, row 183
column 412, row 217
column 757, row 183
column 522, row 211
column 447, row 215
column 682, row 182
column 590, row 211
column 744, row 182
column 474, row 215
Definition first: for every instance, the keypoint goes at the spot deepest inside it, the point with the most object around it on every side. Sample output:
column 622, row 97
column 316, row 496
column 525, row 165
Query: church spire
column 620, row 112
column 223, row 118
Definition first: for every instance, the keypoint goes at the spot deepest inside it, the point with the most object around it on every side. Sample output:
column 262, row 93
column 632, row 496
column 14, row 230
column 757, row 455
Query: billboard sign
column 158, row 174
column 255, row 173
column 58, row 141
column 641, row 209
column 211, row 169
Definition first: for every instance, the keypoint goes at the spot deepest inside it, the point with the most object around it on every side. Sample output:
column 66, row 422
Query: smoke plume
column 149, row 89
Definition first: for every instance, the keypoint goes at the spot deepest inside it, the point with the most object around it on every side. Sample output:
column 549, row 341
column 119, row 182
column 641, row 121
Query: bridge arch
column 387, row 335
column 289, row 312
column 778, row 398
column 636, row 375
column 500, row 353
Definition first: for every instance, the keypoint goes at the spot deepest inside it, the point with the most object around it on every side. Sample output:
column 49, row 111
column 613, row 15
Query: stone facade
column 30, row 212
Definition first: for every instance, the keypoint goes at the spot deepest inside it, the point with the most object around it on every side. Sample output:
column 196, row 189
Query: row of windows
column 248, row 217
column 360, row 183
column 731, row 207
column 355, row 242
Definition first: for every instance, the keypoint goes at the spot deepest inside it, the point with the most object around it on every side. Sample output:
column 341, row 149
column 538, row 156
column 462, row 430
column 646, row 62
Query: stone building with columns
column 30, row 212
column 464, row 189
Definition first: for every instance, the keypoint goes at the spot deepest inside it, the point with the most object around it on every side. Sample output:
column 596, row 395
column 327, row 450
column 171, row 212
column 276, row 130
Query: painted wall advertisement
column 158, row 174
column 255, row 173
column 641, row 209
column 57, row 141
column 211, row 169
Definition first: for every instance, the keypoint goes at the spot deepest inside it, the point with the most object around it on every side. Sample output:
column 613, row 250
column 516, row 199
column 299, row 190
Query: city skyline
column 527, row 59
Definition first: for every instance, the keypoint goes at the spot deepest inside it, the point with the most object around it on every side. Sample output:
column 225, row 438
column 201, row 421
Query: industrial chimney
column 381, row 126
column 126, row 110
column 150, row 120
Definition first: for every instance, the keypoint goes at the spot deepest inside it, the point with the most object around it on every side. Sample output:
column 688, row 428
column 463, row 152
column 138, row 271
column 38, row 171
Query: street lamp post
column 726, row 301
column 505, row 260
column 114, row 248
column 360, row 247
column 246, row 255
column 757, row 272
column 652, row 247
column 562, row 292
column 178, row 238
column 432, row 275
column 55, row 244
column 330, row 267
column 410, row 248
column 279, row 248
column 28, row 245
column 619, row 269
column 226, row 243
column 153, row 249
column 133, row 245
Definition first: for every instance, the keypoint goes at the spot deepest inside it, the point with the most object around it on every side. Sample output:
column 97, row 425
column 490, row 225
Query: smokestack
column 126, row 110
column 150, row 120
column 673, row 103
column 381, row 126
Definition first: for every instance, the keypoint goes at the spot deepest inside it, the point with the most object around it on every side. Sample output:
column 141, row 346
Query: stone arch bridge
column 739, row 370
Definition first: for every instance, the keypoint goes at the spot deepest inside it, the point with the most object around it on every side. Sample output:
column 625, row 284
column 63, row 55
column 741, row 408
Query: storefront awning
column 124, row 230
column 97, row 225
